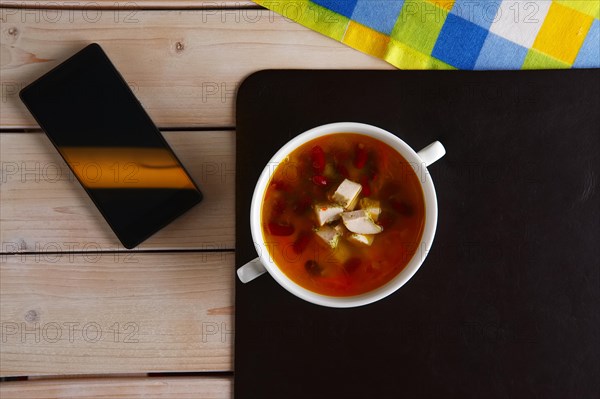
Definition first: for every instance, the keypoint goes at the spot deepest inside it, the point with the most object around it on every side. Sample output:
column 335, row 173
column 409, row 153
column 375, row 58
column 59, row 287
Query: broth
column 345, row 254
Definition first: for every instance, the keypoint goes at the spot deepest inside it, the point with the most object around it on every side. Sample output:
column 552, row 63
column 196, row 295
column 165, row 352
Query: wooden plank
column 127, row 5
column 184, row 66
column 121, row 388
column 114, row 313
column 44, row 209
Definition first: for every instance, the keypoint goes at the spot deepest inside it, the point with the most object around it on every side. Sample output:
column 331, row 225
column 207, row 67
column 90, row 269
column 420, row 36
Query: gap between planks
column 130, row 5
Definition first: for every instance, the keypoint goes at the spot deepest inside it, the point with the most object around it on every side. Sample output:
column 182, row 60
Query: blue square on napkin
column 459, row 42
column 343, row 7
column 589, row 53
column 499, row 53
column 481, row 13
column 380, row 15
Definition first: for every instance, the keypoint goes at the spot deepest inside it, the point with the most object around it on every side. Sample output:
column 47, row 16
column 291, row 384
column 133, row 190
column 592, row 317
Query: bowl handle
column 432, row 153
column 251, row 270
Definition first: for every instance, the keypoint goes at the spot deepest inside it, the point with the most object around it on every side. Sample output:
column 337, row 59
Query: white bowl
column 419, row 161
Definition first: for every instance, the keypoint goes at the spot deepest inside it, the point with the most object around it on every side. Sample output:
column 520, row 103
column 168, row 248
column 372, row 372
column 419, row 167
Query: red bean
column 387, row 219
column 277, row 229
column 279, row 185
column 313, row 268
column 319, row 180
column 366, row 189
column 352, row 264
column 360, row 159
column 301, row 243
column 317, row 156
column 402, row 207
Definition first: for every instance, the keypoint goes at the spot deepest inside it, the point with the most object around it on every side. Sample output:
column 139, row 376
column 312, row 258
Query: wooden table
column 81, row 316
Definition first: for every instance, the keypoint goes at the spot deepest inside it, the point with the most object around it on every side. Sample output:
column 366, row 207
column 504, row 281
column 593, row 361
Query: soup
column 343, row 214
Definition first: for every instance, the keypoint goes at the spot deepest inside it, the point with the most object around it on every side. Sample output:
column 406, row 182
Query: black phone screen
column 111, row 145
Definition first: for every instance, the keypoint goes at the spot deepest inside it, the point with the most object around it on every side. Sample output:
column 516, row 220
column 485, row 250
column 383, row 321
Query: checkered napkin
column 458, row 34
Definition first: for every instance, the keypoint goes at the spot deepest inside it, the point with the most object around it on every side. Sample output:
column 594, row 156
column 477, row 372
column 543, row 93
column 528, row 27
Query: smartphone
column 111, row 145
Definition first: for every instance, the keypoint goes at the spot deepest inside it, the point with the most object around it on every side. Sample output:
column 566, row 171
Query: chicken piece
column 327, row 213
column 347, row 194
column 372, row 207
column 360, row 222
column 366, row 239
column 329, row 234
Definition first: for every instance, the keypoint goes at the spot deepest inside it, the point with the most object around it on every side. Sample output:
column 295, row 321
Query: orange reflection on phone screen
column 126, row 167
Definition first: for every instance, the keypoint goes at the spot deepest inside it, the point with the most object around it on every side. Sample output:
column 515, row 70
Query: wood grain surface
column 184, row 66
column 45, row 209
column 70, row 313
column 121, row 388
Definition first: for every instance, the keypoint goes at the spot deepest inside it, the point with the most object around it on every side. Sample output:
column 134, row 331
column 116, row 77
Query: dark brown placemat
column 507, row 302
